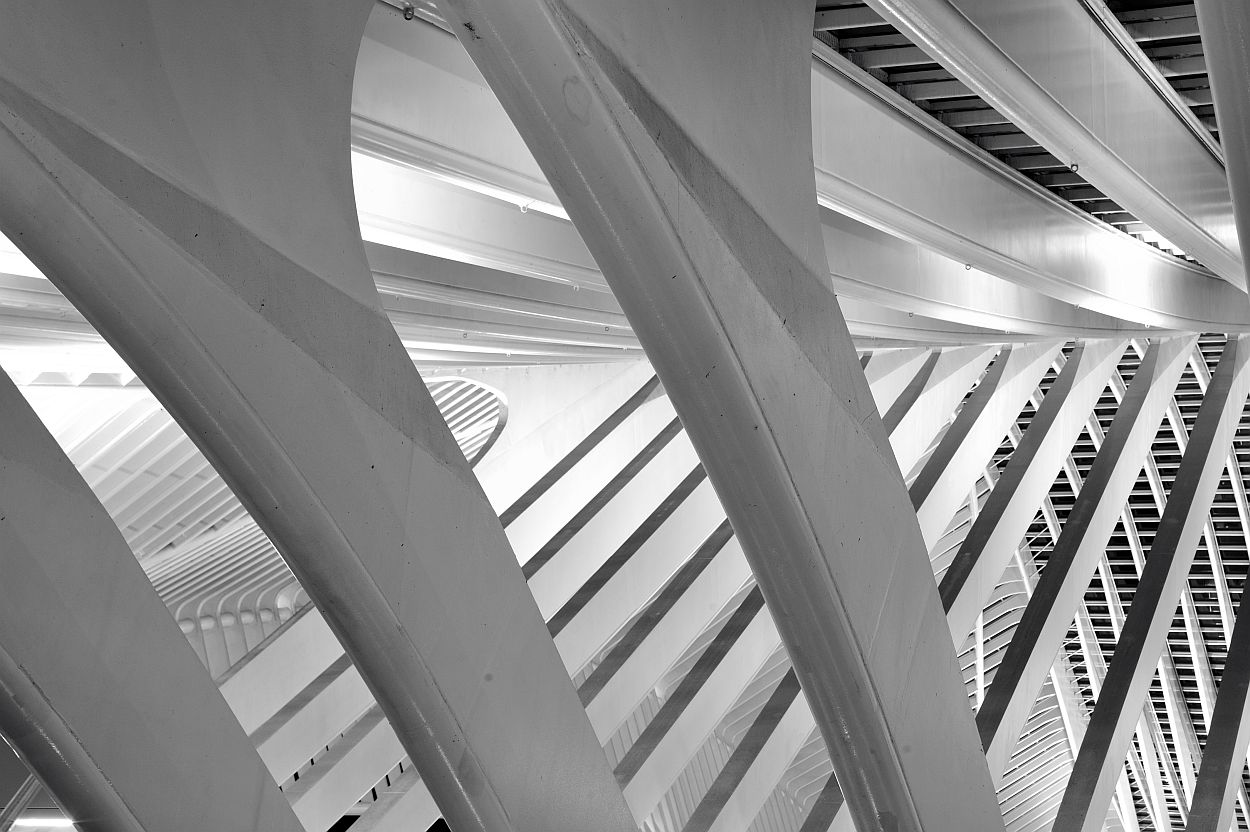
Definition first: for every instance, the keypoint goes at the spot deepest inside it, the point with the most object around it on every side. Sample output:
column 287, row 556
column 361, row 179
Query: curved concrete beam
column 159, row 199
column 1131, row 145
column 703, row 220
column 888, row 184
column 875, row 266
column 99, row 690
column 509, row 281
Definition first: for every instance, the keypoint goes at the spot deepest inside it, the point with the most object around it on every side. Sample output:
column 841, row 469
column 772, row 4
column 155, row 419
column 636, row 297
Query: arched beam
column 703, row 221
column 158, row 198
column 98, row 686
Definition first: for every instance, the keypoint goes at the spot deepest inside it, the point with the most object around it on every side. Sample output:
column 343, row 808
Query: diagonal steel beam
column 978, row 430
column 19, row 802
column 1228, row 737
column 1162, row 582
column 1091, row 652
column 915, row 420
column 1081, row 542
column 1014, row 501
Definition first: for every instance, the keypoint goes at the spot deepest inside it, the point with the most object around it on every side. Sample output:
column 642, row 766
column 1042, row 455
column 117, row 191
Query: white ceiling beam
column 887, row 184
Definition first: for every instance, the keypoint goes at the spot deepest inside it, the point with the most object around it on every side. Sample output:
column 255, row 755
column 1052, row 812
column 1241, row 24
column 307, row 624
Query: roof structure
column 512, row 416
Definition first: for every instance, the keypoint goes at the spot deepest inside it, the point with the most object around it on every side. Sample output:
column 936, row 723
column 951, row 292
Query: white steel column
column 1158, row 593
column 1082, row 541
column 703, row 220
column 160, row 199
column 100, row 694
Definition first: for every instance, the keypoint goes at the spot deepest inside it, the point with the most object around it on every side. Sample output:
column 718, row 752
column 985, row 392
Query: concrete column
column 703, row 220
column 1225, row 28
column 1082, row 542
column 1228, row 738
column 1158, row 593
column 1016, row 497
column 99, row 690
column 159, row 198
